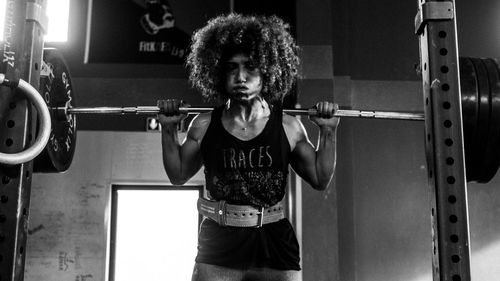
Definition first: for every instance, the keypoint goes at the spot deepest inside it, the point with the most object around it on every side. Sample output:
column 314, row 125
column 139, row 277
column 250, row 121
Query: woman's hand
column 169, row 112
column 325, row 114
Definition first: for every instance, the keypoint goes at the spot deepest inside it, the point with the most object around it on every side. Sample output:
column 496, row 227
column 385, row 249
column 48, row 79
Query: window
column 58, row 18
column 154, row 232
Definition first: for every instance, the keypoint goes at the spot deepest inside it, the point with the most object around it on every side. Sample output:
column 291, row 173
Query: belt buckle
column 260, row 217
column 221, row 213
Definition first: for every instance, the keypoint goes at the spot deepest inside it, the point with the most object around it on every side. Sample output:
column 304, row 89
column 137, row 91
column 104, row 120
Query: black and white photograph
column 263, row 140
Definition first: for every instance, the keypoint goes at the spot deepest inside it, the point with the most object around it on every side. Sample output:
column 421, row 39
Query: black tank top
column 246, row 172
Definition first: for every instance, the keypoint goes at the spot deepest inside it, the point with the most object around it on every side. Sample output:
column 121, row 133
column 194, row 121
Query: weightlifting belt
column 239, row 215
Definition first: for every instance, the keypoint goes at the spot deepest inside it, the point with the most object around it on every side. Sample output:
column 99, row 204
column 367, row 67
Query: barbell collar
column 152, row 110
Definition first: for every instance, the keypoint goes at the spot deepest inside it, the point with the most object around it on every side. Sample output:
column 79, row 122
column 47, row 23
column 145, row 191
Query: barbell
column 153, row 110
column 480, row 87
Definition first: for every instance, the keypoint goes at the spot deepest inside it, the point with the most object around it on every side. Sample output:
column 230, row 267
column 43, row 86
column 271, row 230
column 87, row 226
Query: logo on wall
column 158, row 21
column 158, row 16
column 135, row 31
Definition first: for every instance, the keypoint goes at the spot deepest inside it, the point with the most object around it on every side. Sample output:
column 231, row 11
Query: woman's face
column 243, row 78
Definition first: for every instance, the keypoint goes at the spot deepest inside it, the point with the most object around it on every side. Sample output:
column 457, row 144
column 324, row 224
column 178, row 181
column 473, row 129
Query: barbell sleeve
column 151, row 110
column 381, row 114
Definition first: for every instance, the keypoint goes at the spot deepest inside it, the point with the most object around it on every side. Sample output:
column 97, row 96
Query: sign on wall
column 145, row 31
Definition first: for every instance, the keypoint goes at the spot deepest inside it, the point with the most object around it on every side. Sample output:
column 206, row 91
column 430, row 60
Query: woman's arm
column 182, row 161
column 315, row 165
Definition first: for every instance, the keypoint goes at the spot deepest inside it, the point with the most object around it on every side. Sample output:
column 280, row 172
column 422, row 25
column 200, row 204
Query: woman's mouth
column 240, row 88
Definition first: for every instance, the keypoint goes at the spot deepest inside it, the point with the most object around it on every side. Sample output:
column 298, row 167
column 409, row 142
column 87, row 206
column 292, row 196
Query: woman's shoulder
column 294, row 130
column 202, row 119
column 199, row 125
column 291, row 122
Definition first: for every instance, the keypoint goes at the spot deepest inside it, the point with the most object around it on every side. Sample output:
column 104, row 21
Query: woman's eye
column 251, row 67
column 230, row 65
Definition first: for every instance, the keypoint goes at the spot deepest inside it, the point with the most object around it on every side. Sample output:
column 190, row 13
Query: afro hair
column 265, row 39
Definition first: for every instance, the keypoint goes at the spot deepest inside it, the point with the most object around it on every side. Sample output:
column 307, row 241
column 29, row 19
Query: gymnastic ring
column 44, row 129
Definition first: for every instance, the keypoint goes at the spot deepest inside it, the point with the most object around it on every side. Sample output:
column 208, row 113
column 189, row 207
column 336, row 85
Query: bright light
column 156, row 235
column 58, row 16
column 3, row 4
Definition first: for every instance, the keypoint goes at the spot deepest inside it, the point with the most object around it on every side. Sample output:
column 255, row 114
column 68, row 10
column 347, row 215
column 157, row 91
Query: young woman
column 248, row 64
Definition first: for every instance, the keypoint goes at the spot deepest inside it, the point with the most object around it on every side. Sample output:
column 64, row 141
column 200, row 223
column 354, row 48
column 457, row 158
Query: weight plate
column 57, row 90
column 483, row 120
column 470, row 97
column 491, row 157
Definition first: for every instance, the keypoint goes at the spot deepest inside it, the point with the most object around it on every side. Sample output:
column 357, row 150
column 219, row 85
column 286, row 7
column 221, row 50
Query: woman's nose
column 241, row 75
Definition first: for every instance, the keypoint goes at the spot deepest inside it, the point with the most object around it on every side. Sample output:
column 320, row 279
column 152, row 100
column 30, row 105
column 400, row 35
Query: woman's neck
column 247, row 111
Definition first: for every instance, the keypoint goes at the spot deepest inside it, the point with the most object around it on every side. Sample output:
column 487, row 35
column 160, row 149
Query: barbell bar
column 151, row 110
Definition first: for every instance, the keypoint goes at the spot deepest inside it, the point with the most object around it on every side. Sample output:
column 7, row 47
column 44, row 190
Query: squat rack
column 435, row 25
column 25, row 25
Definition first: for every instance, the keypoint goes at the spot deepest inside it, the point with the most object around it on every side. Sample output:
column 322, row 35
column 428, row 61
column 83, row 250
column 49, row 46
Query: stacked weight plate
column 480, row 86
column 56, row 88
